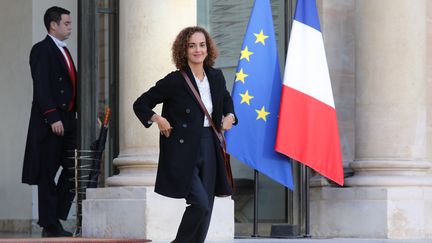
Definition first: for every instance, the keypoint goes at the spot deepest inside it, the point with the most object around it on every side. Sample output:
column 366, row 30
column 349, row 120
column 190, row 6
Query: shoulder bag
column 219, row 135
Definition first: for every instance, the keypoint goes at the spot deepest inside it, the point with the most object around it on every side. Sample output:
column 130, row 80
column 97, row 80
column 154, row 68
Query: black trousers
column 55, row 199
column 196, row 218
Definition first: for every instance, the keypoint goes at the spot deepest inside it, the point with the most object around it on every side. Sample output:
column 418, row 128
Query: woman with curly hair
column 190, row 162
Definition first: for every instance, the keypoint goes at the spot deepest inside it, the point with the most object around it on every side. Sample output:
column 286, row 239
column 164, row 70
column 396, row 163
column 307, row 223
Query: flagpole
column 307, row 219
column 255, row 214
column 305, row 202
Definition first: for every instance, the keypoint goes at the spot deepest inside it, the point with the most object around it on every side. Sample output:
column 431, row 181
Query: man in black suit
column 52, row 129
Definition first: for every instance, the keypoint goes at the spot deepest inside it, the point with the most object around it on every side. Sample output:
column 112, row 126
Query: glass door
column 98, row 72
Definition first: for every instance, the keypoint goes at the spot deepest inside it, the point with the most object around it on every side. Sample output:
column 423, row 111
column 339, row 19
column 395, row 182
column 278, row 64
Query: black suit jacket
column 179, row 152
column 52, row 93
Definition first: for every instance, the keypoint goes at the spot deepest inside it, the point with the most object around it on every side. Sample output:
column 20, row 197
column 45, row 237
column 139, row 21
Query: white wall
column 21, row 23
column 15, row 100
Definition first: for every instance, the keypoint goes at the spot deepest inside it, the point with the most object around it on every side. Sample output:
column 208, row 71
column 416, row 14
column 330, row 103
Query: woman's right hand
column 163, row 124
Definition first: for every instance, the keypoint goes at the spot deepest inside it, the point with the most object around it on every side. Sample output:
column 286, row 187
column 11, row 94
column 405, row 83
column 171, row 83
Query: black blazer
column 52, row 94
column 179, row 152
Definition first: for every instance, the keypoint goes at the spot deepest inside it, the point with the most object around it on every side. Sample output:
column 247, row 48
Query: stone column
column 390, row 194
column 391, row 90
column 129, row 207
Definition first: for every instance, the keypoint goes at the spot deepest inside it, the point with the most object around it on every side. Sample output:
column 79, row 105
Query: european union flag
column 256, row 95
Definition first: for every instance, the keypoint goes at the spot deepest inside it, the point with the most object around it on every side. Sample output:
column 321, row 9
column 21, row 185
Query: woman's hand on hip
column 227, row 122
column 163, row 124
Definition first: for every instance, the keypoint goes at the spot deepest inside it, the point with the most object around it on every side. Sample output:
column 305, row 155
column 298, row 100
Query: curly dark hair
column 180, row 45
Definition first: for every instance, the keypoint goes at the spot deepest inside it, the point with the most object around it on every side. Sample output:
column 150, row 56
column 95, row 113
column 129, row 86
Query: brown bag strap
column 218, row 134
column 198, row 98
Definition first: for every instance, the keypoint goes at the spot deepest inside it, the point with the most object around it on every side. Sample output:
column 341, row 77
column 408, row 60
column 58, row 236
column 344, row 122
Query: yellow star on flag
column 245, row 54
column 260, row 37
column 246, row 97
column 262, row 114
column 240, row 76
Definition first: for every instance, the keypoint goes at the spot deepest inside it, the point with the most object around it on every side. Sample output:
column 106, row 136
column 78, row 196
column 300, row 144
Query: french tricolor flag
column 307, row 128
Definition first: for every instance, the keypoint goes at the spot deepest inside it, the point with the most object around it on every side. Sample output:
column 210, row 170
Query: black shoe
column 50, row 232
column 62, row 231
column 55, row 231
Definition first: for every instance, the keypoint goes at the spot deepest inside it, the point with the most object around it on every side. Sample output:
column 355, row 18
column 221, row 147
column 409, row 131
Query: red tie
column 72, row 78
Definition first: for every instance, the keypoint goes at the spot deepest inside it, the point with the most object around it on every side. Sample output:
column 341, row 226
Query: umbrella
column 98, row 147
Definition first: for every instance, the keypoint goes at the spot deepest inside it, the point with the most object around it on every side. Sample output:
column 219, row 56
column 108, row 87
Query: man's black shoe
column 46, row 233
column 49, row 232
column 55, row 231
column 62, row 231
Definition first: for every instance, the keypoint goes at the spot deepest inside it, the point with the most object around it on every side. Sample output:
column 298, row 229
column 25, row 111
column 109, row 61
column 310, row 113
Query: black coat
column 179, row 152
column 52, row 94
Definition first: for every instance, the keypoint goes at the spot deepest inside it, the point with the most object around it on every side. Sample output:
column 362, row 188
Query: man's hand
column 57, row 128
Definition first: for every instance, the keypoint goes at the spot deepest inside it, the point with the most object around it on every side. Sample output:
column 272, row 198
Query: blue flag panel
column 256, row 95
column 307, row 13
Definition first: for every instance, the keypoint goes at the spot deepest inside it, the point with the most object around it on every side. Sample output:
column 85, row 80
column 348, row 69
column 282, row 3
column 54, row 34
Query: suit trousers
column 55, row 199
column 196, row 218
